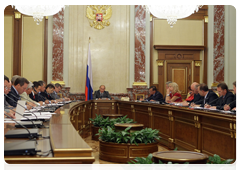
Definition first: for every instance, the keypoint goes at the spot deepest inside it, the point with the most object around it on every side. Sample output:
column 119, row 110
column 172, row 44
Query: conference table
column 204, row 131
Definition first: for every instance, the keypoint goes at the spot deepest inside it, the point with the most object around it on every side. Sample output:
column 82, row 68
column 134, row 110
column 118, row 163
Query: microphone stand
column 21, row 106
column 22, row 116
column 30, row 135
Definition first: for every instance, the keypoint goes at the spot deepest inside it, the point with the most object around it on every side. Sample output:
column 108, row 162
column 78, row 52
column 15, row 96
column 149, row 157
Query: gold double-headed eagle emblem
column 100, row 14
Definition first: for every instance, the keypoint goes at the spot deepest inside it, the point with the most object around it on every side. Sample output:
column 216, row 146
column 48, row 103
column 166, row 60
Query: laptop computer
column 20, row 148
column 22, row 133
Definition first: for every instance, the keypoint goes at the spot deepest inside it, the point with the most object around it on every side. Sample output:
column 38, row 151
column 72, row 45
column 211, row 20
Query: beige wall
column 184, row 32
column 109, row 50
column 230, row 46
column 8, row 45
column 32, row 49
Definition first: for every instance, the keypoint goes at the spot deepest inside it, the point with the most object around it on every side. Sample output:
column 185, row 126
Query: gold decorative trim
column 160, row 62
column 151, row 17
column 206, row 19
column 236, row 135
column 60, row 82
column 170, row 112
column 46, row 17
column 214, row 84
column 139, row 84
column 18, row 15
column 170, row 140
column 197, row 63
column 231, row 134
column 196, row 150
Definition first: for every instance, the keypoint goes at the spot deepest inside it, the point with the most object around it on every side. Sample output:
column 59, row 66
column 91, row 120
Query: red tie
column 34, row 97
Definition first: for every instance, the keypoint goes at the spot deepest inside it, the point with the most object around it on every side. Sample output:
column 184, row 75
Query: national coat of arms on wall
column 98, row 15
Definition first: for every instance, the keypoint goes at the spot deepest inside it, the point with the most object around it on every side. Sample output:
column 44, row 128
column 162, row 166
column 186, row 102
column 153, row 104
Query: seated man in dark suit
column 209, row 96
column 47, row 92
column 226, row 97
column 101, row 93
column 197, row 97
column 154, row 95
column 232, row 106
column 35, row 93
column 19, row 86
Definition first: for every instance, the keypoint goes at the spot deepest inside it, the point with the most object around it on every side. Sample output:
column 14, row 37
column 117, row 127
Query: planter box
column 123, row 153
column 95, row 131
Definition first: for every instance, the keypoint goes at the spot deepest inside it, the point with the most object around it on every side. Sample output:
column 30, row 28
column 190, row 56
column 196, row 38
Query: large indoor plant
column 123, row 146
column 100, row 122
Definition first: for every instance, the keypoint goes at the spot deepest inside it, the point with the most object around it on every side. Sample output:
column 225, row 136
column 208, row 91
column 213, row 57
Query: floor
column 95, row 146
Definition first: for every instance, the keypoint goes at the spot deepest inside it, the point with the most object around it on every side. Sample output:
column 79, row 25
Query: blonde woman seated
column 173, row 94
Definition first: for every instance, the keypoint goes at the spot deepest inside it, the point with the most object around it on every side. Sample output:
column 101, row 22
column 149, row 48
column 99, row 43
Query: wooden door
column 180, row 73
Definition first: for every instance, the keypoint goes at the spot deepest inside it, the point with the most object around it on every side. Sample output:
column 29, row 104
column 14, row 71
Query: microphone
column 231, row 102
column 44, row 98
column 30, row 101
column 213, row 101
column 34, row 103
column 22, row 116
column 21, row 105
column 22, row 97
column 30, row 135
column 199, row 101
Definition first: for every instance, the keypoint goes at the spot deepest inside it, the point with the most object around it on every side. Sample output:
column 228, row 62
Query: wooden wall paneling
column 142, row 115
column 94, row 110
column 17, row 46
column 150, row 117
column 183, row 127
column 161, row 122
column 222, row 133
column 236, row 142
column 185, row 134
column 126, row 109
column 161, row 78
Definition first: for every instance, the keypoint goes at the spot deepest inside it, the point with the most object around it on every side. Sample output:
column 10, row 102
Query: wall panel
column 32, row 49
column 109, row 50
column 8, row 45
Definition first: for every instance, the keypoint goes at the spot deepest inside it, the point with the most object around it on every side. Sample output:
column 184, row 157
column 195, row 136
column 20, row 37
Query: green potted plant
column 123, row 146
column 100, row 122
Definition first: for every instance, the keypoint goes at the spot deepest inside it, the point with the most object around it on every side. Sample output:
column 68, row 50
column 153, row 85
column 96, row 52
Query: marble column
column 218, row 54
column 140, row 33
column 57, row 53
column 139, row 85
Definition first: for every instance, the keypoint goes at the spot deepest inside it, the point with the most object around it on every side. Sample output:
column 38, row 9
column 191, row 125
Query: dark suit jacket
column 198, row 99
column 229, row 97
column 210, row 98
column 36, row 98
column 5, row 102
column 157, row 97
column 12, row 95
column 46, row 95
column 97, row 95
column 233, row 104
